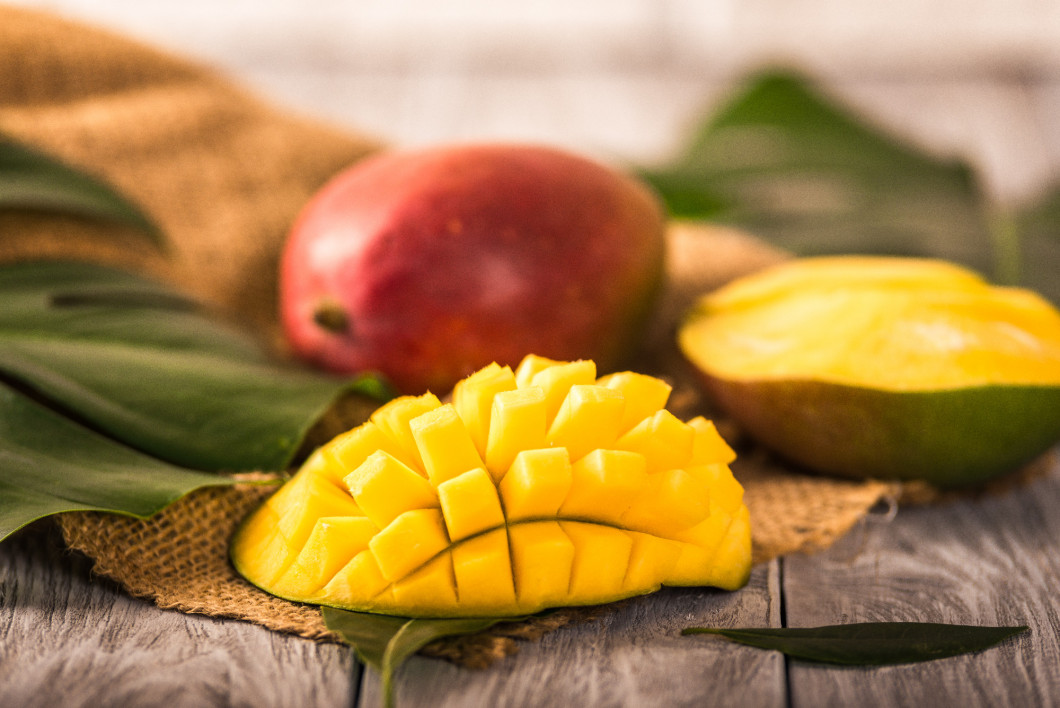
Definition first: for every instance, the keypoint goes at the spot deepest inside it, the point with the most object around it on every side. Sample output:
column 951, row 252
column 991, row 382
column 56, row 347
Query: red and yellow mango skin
column 428, row 265
column 883, row 367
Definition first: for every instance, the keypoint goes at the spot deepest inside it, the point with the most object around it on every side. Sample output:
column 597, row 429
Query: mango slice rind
column 571, row 519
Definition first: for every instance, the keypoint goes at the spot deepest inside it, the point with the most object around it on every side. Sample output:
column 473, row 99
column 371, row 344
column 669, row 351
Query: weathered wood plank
column 991, row 561
column 71, row 640
column 634, row 656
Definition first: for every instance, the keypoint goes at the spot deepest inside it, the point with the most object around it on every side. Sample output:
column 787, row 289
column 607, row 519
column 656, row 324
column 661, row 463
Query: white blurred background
column 626, row 80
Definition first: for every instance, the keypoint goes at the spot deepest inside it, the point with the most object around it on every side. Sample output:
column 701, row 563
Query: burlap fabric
column 224, row 175
column 219, row 170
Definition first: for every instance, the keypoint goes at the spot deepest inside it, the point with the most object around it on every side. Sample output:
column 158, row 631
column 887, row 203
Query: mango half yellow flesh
column 884, row 367
column 540, row 487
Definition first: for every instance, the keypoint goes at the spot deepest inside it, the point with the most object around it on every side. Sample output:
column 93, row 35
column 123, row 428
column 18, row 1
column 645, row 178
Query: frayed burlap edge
column 179, row 558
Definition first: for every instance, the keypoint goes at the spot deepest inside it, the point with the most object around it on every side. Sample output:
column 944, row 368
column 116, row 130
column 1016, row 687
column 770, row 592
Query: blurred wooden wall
column 626, row 79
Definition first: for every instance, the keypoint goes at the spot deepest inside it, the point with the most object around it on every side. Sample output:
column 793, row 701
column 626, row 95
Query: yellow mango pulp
column 893, row 368
column 891, row 324
column 537, row 488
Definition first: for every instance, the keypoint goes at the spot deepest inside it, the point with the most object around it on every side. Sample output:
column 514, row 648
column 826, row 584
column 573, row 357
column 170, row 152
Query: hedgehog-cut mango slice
column 535, row 488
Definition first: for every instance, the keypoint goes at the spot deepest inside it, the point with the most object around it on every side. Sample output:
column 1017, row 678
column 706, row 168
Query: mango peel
column 541, row 487
column 896, row 368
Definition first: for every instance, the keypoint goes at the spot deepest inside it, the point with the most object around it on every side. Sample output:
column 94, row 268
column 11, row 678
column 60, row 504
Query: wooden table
column 70, row 639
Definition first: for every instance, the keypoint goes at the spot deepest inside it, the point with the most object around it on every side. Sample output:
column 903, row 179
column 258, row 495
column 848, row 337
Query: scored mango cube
column 708, row 447
column 308, row 498
column 587, row 420
column 556, row 381
column 644, row 395
column 331, row 544
column 431, row 587
column 651, row 561
column 672, row 501
column 359, row 581
column 445, row 446
column 483, row 569
column 536, row 484
column 731, row 564
column 601, row 558
column 473, row 399
column 395, row 418
column 534, row 488
column 470, row 504
column 384, row 488
column 409, row 541
column 664, row 440
column 542, row 557
column 517, row 423
column 724, row 489
column 531, row 366
column 349, row 450
column 604, row 484
column 324, row 466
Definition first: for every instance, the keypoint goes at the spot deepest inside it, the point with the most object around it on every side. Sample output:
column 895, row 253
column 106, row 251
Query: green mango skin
column 950, row 438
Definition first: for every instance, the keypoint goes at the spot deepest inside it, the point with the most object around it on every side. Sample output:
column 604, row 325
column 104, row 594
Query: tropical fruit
column 427, row 265
column 883, row 367
column 540, row 487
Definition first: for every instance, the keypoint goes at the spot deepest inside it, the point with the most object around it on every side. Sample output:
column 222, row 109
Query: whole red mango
column 428, row 265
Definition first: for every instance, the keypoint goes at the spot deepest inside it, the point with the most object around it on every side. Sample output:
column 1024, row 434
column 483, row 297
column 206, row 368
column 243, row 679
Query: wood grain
column 991, row 561
column 69, row 639
column 633, row 656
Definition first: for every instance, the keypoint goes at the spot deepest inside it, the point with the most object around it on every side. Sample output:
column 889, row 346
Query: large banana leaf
column 153, row 371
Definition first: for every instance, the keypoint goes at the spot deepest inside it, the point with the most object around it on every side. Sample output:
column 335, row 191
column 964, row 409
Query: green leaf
column 49, row 465
column 31, row 179
column 1039, row 254
column 148, row 368
column 384, row 642
column 786, row 163
column 869, row 643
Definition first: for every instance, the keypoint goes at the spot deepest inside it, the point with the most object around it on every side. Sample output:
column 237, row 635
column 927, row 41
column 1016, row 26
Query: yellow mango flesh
column 473, row 399
column 414, row 514
column 882, row 367
column 938, row 327
column 644, row 395
column 517, row 423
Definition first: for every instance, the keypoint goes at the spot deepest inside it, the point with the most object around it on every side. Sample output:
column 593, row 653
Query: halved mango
column 883, row 367
column 589, row 506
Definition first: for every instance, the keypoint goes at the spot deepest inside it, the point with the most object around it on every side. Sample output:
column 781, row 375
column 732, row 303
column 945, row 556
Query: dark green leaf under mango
column 384, row 642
